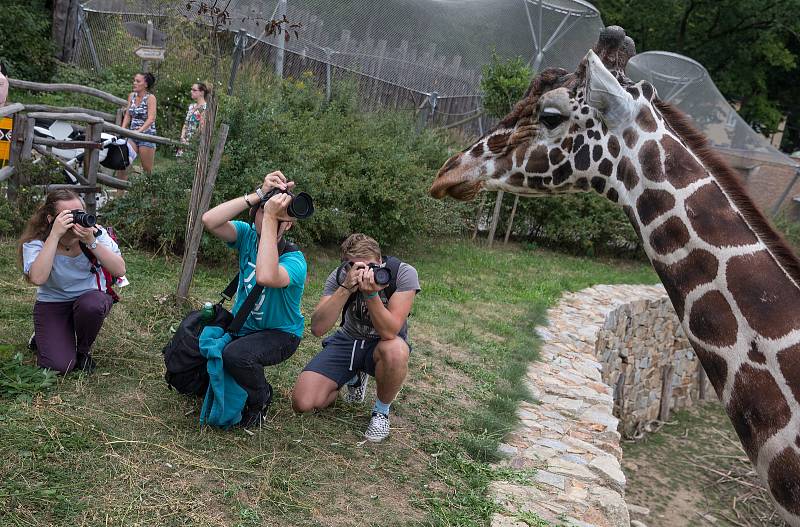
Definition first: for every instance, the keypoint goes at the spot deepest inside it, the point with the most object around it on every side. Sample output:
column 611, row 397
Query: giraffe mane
column 731, row 184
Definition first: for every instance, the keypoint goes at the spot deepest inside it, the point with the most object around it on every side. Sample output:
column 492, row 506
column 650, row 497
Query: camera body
column 83, row 218
column 382, row 275
column 301, row 206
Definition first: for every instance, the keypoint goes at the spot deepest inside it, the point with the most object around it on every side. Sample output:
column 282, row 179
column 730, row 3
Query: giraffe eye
column 551, row 118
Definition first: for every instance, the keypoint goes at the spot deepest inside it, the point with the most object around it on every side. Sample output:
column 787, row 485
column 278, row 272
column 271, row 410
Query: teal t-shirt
column 275, row 308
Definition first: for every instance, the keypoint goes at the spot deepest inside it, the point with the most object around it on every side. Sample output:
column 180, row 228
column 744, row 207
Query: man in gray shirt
column 372, row 339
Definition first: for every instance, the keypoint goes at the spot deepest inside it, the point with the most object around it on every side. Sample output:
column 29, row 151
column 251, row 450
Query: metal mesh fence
column 686, row 83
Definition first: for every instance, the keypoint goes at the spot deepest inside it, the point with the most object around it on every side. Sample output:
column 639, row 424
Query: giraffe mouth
column 455, row 182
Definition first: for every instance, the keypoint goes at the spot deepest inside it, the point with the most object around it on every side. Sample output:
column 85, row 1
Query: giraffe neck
column 736, row 295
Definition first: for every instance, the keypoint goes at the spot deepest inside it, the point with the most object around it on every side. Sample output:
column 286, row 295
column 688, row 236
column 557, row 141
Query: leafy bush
column 14, row 214
column 504, row 83
column 26, row 47
column 366, row 172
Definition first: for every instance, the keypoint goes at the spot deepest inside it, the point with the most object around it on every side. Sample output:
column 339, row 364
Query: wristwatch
column 93, row 245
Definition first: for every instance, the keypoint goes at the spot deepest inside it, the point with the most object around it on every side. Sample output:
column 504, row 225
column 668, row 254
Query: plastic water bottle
column 207, row 313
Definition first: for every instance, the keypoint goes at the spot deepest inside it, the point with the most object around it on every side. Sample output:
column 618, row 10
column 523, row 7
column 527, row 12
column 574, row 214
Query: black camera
column 301, row 206
column 382, row 275
column 83, row 218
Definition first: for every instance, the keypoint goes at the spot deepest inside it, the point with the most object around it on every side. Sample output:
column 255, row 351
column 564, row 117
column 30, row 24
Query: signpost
column 150, row 52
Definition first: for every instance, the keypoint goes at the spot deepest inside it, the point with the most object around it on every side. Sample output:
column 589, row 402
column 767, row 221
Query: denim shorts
column 146, row 144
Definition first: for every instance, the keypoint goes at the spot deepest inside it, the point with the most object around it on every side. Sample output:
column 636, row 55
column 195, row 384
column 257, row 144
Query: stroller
column 115, row 153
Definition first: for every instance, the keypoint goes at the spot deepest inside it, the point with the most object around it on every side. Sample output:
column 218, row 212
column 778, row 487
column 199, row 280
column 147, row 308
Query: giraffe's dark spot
column 647, row 90
column 589, row 123
column 783, row 476
column 516, row 179
column 650, row 160
column 566, row 144
column 582, row 183
column 789, row 362
column 573, row 128
column 634, row 91
column 477, row 150
column 715, row 220
column 539, row 183
column 502, row 165
column 652, row 203
column 498, row 142
column 519, row 154
column 626, row 173
column 669, row 236
column 597, row 153
column 585, row 110
column 598, row 184
column 603, row 127
column 632, row 218
column 715, row 366
column 452, row 163
column 562, row 173
column 646, row 121
column 582, row 160
column 593, row 134
column 578, row 143
column 757, row 408
column 679, row 279
column 537, row 161
column 613, row 146
column 769, row 301
column 755, row 354
column 605, row 167
column 556, row 156
column 797, row 441
column 680, row 167
column 711, row 320
column 630, row 136
column 613, row 195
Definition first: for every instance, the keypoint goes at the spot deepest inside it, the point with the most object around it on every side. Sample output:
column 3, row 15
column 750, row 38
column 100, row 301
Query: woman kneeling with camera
column 273, row 329
column 71, row 300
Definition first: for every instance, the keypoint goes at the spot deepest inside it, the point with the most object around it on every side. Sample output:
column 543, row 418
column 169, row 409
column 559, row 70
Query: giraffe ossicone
column 731, row 278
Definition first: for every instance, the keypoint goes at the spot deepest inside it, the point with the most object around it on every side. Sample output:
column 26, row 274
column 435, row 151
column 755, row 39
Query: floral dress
column 193, row 118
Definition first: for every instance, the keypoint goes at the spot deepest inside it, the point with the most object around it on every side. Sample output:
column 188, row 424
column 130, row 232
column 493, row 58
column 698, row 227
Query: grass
column 118, row 448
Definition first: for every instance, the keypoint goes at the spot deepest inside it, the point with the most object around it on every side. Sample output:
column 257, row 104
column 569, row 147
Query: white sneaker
column 378, row 428
column 357, row 392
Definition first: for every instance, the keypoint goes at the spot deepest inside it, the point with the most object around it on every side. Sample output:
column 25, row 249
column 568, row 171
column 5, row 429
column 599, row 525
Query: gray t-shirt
column 71, row 276
column 357, row 323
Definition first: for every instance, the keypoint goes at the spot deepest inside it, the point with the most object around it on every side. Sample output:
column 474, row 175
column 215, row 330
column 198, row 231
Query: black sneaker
column 32, row 343
column 253, row 417
column 85, row 364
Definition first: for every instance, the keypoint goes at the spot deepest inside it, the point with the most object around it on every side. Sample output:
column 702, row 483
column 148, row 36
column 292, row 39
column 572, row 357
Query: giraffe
column 733, row 282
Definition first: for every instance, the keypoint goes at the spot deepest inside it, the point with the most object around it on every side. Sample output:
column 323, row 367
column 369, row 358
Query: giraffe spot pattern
column 783, row 477
column 715, row 366
column 652, row 203
column 605, row 167
column 537, row 161
column 519, row 154
column 585, row 110
column 452, row 163
column 669, row 236
column 633, row 91
column 647, row 90
column 714, row 220
column 562, row 173
column 680, row 167
column 582, row 160
column 578, row 143
column 516, row 179
column 574, row 128
column 632, row 218
column 765, row 298
column 613, row 146
column 597, row 153
column 626, row 173
column 589, row 123
column 789, row 362
column 757, row 408
column 566, row 144
column 556, row 156
column 646, row 121
column 650, row 160
column 598, row 184
column 498, row 142
column 539, row 183
column 582, row 183
column 501, row 166
column 477, row 150
column 712, row 321
column 755, row 355
column 630, row 136
column 613, row 195
column 679, row 279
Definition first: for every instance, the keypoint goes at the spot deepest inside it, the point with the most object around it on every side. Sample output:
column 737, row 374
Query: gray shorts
column 146, row 144
column 342, row 356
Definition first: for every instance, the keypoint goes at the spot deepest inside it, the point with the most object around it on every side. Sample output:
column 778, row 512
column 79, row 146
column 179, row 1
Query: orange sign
column 5, row 140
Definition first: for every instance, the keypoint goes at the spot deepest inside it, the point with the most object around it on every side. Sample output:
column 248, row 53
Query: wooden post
column 91, row 162
column 496, row 216
column 120, row 115
column 17, row 140
column 146, row 63
column 280, row 43
column 478, row 217
column 196, row 229
column 201, row 165
column 511, row 220
column 240, row 41
column 27, row 144
column 701, row 382
column 666, row 393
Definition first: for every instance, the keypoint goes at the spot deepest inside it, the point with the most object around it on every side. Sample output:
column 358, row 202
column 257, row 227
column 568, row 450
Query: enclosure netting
column 686, row 83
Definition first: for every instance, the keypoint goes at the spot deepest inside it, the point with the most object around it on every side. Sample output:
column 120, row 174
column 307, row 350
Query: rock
column 638, row 512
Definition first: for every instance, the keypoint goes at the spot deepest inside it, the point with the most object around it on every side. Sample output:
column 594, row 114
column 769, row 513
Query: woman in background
column 141, row 117
column 195, row 116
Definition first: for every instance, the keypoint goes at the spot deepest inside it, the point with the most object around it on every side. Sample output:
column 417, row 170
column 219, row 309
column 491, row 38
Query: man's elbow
column 206, row 220
column 36, row 280
column 317, row 331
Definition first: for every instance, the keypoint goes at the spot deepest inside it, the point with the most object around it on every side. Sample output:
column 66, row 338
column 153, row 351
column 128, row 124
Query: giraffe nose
column 452, row 180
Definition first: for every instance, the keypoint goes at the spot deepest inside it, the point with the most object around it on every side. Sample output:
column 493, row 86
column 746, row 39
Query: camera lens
column 301, row 207
column 382, row 275
column 83, row 218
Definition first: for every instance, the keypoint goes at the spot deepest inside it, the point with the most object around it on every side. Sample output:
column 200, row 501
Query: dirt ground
column 693, row 472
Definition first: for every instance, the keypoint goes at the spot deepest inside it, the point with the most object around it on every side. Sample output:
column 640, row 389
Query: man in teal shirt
column 273, row 329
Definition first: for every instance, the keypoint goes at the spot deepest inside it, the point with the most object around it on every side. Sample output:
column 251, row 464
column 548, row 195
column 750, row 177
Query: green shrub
column 25, row 45
column 504, row 83
column 14, row 214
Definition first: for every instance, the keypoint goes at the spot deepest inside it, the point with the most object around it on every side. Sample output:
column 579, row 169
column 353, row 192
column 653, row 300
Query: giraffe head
column 565, row 135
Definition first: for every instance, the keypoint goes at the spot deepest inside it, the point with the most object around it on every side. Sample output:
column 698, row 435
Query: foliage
column 373, row 178
column 750, row 48
column 790, row 228
column 15, row 213
column 26, row 47
column 504, row 83
column 21, row 380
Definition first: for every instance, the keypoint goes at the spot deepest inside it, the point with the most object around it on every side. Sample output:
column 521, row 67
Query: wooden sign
column 5, row 140
column 150, row 53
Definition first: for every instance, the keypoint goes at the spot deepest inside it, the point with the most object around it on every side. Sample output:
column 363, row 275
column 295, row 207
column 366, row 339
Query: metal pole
column 328, row 53
column 433, row 97
column 87, row 34
column 281, row 43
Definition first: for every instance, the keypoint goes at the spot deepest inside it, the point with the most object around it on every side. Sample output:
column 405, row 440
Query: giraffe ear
column 605, row 94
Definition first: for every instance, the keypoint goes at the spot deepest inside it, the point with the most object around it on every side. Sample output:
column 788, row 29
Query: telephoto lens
column 301, row 206
column 382, row 275
column 83, row 218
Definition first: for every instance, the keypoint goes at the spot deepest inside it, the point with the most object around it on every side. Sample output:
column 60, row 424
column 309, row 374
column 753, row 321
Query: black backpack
column 186, row 370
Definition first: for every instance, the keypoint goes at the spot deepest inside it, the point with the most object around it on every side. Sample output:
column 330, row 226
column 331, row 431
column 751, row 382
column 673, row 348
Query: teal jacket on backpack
column 225, row 399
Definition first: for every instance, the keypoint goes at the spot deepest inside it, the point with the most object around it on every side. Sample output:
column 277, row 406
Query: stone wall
column 570, row 434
